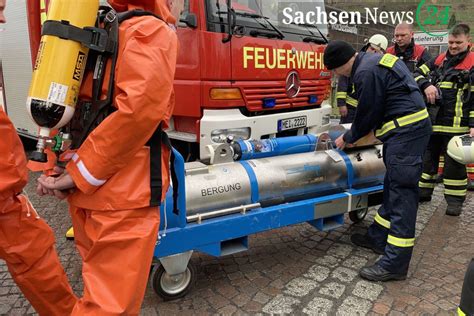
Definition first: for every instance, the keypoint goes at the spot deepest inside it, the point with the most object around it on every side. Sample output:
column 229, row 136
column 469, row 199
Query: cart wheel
column 171, row 287
column 358, row 215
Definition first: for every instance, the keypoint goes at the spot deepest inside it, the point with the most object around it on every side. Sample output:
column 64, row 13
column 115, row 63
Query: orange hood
column 159, row 7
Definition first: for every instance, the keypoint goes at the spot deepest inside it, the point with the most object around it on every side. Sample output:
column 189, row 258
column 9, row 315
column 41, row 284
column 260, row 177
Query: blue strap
column 350, row 169
column 253, row 181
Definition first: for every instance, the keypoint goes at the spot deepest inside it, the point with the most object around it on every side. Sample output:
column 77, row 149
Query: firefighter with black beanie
column 391, row 105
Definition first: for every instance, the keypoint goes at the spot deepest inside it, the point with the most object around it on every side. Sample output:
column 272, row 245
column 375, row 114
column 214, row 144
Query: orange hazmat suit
column 114, row 226
column 26, row 241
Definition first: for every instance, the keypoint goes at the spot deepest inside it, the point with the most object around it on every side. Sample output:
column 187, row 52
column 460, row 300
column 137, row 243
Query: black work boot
column 366, row 242
column 377, row 273
column 454, row 210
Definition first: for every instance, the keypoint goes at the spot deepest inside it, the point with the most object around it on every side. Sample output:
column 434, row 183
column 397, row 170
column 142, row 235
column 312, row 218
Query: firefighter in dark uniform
column 413, row 55
column 346, row 101
column 391, row 105
column 448, row 82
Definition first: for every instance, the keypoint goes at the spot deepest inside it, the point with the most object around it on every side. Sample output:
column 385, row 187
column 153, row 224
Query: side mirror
column 190, row 19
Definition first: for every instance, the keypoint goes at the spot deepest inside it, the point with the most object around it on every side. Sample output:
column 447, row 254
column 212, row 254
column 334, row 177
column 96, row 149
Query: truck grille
column 255, row 93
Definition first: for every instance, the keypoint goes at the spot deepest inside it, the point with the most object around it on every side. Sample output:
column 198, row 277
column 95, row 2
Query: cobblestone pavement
column 298, row 270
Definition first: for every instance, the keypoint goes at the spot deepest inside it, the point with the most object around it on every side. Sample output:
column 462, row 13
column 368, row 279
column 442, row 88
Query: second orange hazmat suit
column 114, row 226
column 26, row 241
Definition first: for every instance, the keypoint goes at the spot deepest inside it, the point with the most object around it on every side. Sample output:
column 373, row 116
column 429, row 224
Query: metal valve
column 58, row 143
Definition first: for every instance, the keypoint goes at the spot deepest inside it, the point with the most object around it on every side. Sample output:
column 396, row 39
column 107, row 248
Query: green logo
column 429, row 14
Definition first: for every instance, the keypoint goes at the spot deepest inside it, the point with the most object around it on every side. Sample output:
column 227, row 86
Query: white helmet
column 461, row 149
column 379, row 40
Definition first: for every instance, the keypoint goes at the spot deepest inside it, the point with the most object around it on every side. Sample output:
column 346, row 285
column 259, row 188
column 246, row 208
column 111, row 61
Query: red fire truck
column 241, row 72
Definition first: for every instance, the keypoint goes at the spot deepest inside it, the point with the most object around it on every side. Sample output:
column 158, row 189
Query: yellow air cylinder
column 59, row 67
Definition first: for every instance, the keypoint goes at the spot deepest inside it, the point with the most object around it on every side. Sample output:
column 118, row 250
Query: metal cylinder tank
column 216, row 187
column 275, row 180
column 295, row 177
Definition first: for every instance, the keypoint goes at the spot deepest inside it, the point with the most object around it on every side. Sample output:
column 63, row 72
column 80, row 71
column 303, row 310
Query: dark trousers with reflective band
column 454, row 174
column 466, row 307
column 394, row 225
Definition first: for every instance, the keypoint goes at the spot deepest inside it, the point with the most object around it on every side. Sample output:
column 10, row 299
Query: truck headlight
column 220, row 135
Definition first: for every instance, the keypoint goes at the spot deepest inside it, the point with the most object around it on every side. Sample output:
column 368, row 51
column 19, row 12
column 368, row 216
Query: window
column 271, row 10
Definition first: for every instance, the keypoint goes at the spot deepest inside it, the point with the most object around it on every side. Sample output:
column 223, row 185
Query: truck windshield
column 251, row 15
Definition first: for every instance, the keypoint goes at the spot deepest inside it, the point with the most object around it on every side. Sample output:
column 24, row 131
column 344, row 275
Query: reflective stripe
column 382, row 221
column 88, row 176
column 388, row 60
column 352, row 101
column 460, row 312
column 425, row 69
column 450, row 129
column 451, row 85
column 418, row 78
column 441, row 158
column 470, row 169
column 425, row 185
column 455, row 192
column 441, row 164
column 458, row 109
column 341, row 95
column 43, row 16
column 446, row 85
column 428, row 176
column 403, row 121
column 455, row 182
column 471, row 114
column 401, row 242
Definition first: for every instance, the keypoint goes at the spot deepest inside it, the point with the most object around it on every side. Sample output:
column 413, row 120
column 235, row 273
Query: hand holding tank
column 366, row 141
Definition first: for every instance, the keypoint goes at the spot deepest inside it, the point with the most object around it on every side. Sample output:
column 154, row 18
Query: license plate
column 292, row 123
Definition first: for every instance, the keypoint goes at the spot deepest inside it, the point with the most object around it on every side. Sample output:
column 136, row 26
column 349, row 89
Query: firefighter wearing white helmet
column 377, row 43
column 461, row 149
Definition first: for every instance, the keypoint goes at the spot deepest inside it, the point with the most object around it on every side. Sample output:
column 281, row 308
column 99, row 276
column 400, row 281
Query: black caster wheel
column 171, row 287
column 358, row 215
